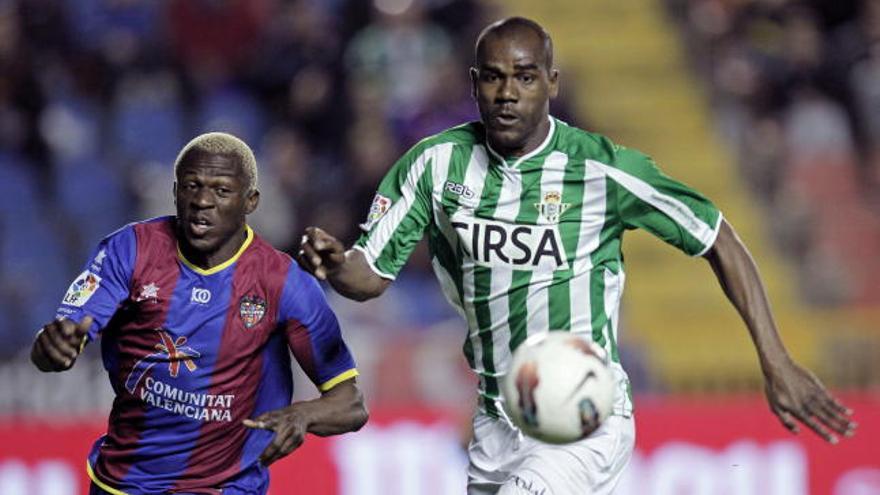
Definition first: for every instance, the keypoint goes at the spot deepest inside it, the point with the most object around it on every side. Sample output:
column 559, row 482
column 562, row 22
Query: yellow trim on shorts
column 221, row 266
column 103, row 486
column 338, row 379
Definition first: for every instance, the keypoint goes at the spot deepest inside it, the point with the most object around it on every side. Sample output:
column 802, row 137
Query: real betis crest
column 552, row 207
column 251, row 310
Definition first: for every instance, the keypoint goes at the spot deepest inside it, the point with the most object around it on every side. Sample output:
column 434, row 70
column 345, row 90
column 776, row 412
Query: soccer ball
column 559, row 388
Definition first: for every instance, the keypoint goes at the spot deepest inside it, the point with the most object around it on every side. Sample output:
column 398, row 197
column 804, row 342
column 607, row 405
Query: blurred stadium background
column 770, row 107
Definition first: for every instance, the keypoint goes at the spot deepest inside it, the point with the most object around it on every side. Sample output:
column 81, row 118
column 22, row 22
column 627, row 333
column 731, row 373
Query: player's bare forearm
column 355, row 279
column 739, row 278
column 794, row 393
column 348, row 272
column 339, row 410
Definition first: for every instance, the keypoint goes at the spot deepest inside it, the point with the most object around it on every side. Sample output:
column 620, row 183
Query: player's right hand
column 320, row 253
column 59, row 343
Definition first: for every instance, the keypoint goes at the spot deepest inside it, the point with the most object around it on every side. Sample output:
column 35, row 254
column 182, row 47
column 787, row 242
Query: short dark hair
column 514, row 24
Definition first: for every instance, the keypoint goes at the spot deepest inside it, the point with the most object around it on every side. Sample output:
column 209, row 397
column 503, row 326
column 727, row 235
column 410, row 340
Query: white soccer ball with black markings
column 559, row 388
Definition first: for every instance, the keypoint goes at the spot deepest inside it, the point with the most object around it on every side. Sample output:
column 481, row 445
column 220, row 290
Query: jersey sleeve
column 648, row 199
column 400, row 212
column 313, row 332
column 104, row 282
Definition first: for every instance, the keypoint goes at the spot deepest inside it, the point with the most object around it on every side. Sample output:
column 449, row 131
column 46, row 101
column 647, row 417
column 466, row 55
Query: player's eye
column 490, row 77
column 526, row 78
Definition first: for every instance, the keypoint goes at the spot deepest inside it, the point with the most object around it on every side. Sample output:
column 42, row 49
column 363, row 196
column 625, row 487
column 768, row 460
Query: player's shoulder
column 270, row 259
column 466, row 134
column 581, row 145
column 154, row 236
column 157, row 227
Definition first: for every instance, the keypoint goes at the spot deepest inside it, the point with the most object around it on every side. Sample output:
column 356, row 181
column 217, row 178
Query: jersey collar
column 530, row 154
column 221, row 266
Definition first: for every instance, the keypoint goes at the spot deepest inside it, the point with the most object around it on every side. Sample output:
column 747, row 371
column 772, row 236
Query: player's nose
column 203, row 198
column 507, row 91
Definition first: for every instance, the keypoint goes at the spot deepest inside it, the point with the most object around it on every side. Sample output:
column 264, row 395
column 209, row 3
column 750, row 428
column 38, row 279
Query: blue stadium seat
column 235, row 111
column 92, row 196
column 17, row 185
column 148, row 130
column 33, row 269
column 93, row 20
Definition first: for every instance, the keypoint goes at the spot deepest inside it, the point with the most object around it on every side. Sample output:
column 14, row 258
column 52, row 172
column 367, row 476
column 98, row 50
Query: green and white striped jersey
column 526, row 245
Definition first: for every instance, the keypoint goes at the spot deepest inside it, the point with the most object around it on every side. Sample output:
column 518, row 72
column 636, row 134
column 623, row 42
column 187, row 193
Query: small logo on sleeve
column 380, row 206
column 251, row 310
column 98, row 262
column 82, row 289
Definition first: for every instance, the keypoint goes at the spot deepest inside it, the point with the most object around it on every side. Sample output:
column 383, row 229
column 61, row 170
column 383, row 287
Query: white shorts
column 505, row 462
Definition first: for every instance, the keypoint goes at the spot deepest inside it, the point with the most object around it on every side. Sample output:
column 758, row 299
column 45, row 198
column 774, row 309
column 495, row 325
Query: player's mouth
column 505, row 119
column 198, row 226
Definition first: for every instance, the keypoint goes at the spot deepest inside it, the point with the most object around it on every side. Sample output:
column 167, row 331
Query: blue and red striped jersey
column 191, row 353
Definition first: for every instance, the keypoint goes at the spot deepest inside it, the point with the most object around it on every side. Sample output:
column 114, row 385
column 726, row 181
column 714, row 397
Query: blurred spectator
column 96, row 97
column 795, row 85
column 400, row 54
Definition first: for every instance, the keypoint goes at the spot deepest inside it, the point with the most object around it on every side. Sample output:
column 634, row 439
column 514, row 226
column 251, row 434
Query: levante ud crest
column 251, row 310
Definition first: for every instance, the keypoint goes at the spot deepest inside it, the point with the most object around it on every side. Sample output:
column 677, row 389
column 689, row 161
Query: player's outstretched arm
column 58, row 344
column 794, row 393
column 348, row 272
column 339, row 410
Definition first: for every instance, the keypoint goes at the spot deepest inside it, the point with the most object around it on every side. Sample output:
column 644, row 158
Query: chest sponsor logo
column 163, row 394
column 82, row 289
column 378, row 208
column 552, row 207
column 200, row 296
column 251, row 310
column 524, row 247
column 167, row 350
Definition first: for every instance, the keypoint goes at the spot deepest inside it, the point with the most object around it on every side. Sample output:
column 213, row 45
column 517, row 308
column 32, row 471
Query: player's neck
column 530, row 144
column 207, row 260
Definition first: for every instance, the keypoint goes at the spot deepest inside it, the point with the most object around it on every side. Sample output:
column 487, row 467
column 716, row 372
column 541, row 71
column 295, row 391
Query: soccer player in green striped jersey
column 524, row 215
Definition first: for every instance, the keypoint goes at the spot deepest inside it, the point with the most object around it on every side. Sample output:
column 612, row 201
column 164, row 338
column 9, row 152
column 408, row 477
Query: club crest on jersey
column 251, row 310
column 82, row 289
column 552, row 207
column 380, row 206
column 172, row 351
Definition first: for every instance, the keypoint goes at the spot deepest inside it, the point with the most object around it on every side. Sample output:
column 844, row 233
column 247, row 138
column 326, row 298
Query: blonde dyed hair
column 222, row 143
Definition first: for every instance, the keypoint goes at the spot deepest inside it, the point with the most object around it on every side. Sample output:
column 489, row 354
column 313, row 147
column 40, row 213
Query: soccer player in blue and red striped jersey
column 197, row 317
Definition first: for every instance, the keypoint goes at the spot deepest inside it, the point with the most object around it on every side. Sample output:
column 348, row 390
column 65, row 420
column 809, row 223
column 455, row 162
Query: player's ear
column 251, row 201
column 554, row 82
column 174, row 192
column 474, row 75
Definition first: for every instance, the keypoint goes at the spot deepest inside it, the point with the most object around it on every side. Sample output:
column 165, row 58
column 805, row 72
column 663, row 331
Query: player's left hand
column 795, row 394
column 290, row 428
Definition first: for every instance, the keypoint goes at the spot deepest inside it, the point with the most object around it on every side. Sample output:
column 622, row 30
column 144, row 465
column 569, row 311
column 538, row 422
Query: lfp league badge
column 251, row 310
